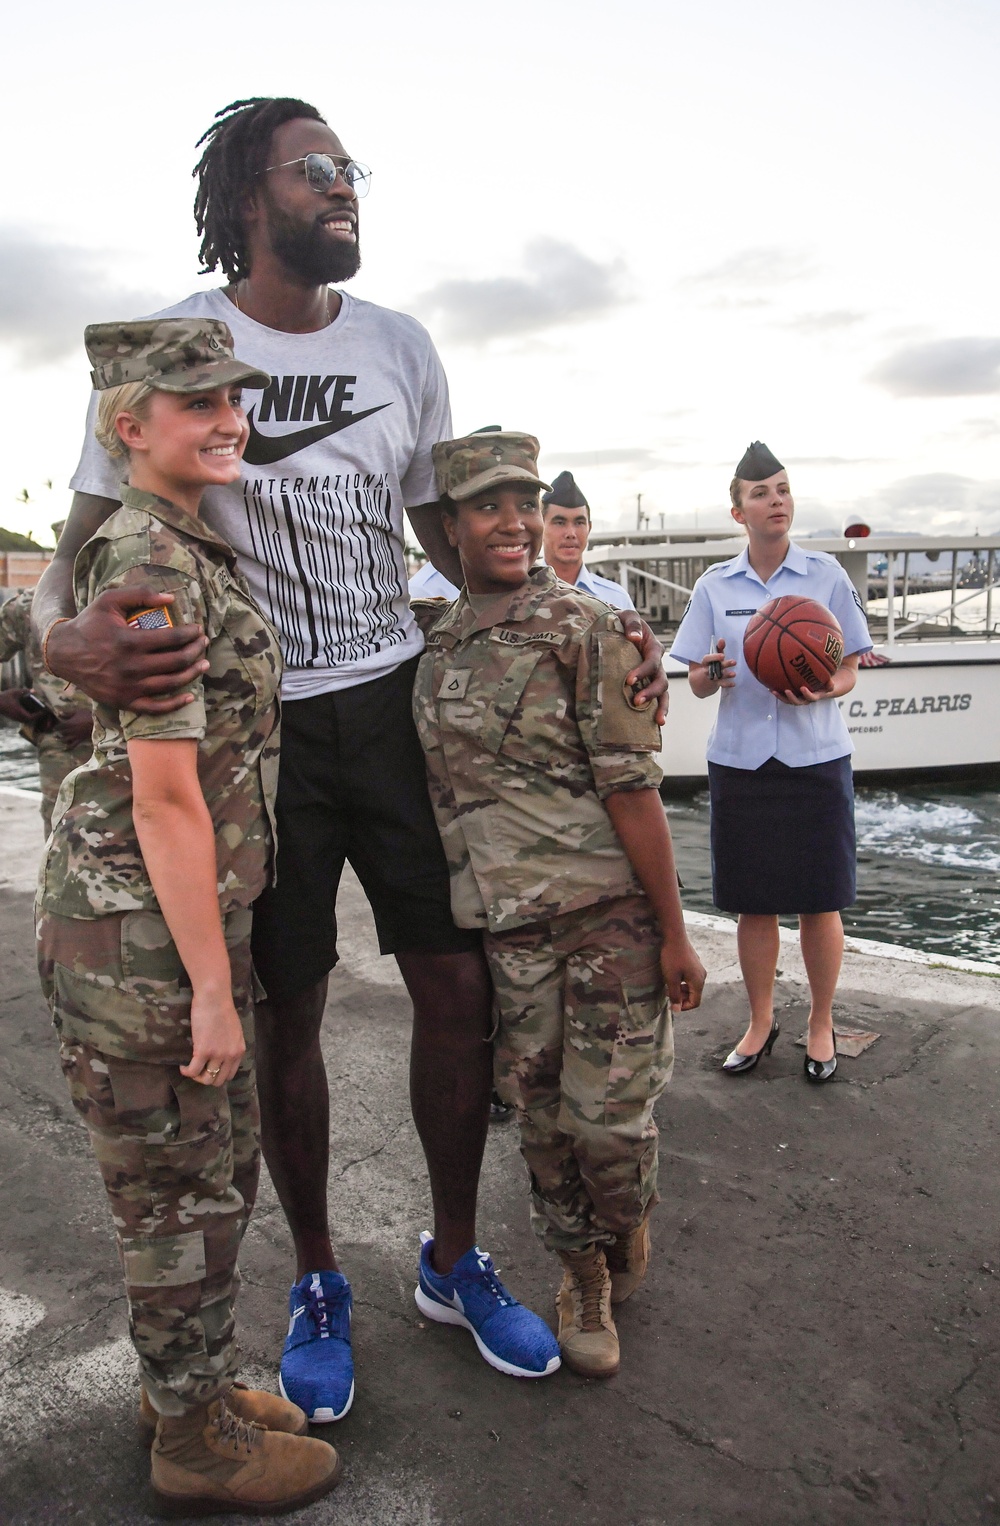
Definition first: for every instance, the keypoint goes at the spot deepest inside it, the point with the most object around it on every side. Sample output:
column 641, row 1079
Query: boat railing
column 890, row 573
column 624, row 568
column 895, row 632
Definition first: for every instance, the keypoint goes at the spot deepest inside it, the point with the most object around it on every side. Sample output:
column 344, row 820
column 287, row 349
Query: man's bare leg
column 451, row 1070
column 451, row 1077
column 295, row 1119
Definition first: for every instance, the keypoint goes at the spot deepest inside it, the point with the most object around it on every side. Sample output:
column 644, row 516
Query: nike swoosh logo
column 265, row 449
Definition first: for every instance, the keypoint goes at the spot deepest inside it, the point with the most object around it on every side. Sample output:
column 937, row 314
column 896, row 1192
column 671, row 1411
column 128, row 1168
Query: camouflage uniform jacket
column 526, row 729
column 93, row 866
column 16, row 635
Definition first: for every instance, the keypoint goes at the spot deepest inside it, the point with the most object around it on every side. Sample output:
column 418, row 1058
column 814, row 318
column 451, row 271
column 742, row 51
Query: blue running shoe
column 317, row 1366
column 509, row 1336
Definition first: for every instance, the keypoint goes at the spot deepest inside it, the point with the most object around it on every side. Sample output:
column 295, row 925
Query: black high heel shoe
column 735, row 1064
column 818, row 1071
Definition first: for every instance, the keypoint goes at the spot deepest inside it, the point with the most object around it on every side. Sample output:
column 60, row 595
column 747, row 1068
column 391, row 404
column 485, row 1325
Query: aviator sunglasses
column 321, row 173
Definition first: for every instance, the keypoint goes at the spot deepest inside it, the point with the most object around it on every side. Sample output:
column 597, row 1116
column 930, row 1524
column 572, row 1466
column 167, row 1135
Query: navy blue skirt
column 783, row 838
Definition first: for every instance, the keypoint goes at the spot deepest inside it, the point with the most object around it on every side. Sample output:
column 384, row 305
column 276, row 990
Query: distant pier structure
column 20, row 568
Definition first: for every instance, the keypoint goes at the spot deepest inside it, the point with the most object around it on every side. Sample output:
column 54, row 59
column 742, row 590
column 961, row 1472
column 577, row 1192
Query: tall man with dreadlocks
column 340, row 442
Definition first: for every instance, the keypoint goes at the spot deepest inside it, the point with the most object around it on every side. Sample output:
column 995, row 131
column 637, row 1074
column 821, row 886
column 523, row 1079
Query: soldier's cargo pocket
column 153, row 975
column 643, row 1055
column 502, row 721
column 111, row 985
column 164, row 1261
column 117, row 982
column 620, row 723
column 488, row 707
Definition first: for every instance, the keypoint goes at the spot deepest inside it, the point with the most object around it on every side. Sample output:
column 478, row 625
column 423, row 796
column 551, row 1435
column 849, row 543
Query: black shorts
column 352, row 785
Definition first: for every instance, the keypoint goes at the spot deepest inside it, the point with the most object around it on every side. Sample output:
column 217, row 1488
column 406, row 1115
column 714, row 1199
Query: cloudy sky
column 647, row 232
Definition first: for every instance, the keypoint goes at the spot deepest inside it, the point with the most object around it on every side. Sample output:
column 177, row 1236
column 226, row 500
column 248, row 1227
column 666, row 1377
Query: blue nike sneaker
column 509, row 1336
column 317, row 1366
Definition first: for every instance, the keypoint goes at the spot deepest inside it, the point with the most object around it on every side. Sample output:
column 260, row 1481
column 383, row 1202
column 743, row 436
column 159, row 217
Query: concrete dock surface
column 816, row 1342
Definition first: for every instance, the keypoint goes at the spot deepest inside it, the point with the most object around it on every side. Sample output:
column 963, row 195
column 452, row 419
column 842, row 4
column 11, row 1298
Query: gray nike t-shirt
column 339, row 442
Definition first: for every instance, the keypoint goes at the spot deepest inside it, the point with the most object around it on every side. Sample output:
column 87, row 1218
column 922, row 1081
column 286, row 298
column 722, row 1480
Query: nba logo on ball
column 793, row 643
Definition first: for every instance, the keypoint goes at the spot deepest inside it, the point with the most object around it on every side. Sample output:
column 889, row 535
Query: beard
column 308, row 253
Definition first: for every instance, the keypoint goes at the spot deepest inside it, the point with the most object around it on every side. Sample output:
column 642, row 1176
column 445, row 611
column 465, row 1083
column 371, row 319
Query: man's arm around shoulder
column 96, row 649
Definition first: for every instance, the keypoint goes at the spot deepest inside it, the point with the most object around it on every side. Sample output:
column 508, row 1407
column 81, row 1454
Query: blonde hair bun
column 130, row 397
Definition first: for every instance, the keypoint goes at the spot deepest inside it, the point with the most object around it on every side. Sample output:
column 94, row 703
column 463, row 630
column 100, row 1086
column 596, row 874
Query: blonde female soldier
column 160, row 845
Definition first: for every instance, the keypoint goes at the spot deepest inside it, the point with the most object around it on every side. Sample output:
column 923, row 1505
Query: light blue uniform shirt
column 751, row 725
column 603, row 588
column 428, row 583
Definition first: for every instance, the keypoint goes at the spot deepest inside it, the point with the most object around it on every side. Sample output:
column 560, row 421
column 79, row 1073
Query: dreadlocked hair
column 234, row 157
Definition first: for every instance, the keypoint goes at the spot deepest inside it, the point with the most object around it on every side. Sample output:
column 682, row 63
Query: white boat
column 928, row 705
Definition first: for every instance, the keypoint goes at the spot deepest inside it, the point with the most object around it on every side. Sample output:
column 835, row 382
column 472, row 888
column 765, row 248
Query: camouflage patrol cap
column 476, row 462
column 169, row 354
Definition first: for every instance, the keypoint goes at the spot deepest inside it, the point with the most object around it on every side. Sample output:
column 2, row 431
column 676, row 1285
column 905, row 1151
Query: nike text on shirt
column 339, row 442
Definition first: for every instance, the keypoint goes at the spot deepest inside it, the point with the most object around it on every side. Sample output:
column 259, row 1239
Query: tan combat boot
column 587, row 1335
column 250, row 1404
column 209, row 1462
column 628, row 1262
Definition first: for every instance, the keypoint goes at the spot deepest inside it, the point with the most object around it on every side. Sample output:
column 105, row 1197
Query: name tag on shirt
column 527, row 638
column 741, row 611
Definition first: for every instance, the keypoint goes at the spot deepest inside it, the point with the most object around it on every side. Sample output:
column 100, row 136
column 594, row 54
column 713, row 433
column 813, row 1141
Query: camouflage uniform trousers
column 55, row 761
column 584, row 1047
column 180, row 1163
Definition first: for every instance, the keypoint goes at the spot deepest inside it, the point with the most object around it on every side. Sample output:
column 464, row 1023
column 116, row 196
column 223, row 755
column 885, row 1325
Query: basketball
column 793, row 643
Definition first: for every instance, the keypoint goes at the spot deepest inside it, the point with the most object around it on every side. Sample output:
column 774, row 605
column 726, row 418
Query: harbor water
column 928, row 866
column 928, row 859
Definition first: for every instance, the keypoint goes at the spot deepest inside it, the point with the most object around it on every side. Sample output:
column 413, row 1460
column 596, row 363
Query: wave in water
column 929, row 832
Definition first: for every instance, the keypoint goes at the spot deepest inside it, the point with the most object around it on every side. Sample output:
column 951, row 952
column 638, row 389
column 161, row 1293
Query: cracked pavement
column 816, row 1342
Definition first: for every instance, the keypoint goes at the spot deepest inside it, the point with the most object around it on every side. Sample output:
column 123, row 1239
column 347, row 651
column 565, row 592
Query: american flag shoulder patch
column 156, row 619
